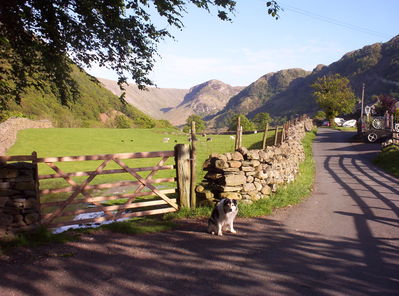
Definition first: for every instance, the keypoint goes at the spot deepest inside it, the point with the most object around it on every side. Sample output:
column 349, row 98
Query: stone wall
column 19, row 203
column 249, row 175
column 10, row 128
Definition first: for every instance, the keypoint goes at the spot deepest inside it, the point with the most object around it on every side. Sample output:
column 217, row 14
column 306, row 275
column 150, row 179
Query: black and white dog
column 223, row 216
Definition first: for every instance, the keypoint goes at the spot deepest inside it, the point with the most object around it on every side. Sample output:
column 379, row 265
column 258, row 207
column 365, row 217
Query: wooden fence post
column 182, row 157
column 264, row 144
column 193, row 161
column 240, row 137
column 283, row 134
column 276, row 136
column 237, row 141
column 37, row 184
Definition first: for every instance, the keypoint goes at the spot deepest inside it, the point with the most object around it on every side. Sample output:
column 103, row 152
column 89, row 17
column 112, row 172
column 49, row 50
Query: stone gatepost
column 19, row 198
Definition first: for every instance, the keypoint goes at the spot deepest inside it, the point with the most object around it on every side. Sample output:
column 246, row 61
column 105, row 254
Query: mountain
column 376, row 65
column 203, row 99
column 94, row 106
column 153, row 101
column 257, row 94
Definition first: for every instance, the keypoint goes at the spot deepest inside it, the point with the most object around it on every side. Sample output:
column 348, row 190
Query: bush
column 6, row 114
column 122, row 121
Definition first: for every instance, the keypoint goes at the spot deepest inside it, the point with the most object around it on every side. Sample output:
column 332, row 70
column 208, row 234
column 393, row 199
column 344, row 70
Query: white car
column 349, row 123
column 339, row 121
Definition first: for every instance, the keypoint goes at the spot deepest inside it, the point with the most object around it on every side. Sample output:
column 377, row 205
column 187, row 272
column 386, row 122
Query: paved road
column 344, row 240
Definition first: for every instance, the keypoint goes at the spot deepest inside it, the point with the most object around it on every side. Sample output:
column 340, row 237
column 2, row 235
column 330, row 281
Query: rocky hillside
column 153, row 101
column 203, row 99
column 375, row 65
column 258, row 93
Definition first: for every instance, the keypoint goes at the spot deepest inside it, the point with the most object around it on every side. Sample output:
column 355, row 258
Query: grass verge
column 388, row 160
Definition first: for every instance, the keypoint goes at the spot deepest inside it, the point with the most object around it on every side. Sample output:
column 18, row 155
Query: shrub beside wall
column 249, row 175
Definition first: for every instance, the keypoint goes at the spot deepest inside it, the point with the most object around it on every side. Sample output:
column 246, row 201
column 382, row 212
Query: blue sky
column 308, row 33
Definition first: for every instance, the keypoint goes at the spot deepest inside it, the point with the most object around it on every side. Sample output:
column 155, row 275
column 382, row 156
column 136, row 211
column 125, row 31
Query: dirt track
column 344, row 240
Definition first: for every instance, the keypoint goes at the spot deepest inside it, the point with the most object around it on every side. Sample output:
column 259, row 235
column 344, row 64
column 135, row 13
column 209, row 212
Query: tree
column 334, row 96
column 200, row 125
column 246, row 124
column 44, row 36
column 385, row 103
column 260, row 120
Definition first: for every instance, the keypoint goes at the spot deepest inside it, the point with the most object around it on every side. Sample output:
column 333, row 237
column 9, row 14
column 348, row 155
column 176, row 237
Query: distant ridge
column 153, row 101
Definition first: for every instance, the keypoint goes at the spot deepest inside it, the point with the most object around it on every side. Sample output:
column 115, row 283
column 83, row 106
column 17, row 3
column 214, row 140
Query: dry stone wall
column 10, row 128
column 19, row 202
column 249, row 175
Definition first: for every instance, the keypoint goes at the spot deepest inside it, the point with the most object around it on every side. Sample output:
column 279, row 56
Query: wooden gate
column 84, row 197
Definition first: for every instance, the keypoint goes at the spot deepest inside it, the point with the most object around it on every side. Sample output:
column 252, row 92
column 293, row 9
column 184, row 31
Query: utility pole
column 362, row 110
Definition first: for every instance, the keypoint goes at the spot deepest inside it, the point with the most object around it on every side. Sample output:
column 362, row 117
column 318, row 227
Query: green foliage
column 246, row 124
column 122, row 121
column 320, row 115
column 5, row 114
column 120, row 35
column 84, row 112
column 388, row 160
column 261, row 119
column 334, row 96
column 385, row 103
column 200, row 124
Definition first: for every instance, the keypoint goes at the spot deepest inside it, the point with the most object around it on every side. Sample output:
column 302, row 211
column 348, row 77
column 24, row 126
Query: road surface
column 343, row 240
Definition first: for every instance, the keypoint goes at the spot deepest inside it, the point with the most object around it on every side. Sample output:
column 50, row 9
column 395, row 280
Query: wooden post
column 240, row 138
column 264, row 142
column 276, row 136
column 236, row 144
column 182, row 157
column 193, row 160
column 37, row 184
column 283, row 133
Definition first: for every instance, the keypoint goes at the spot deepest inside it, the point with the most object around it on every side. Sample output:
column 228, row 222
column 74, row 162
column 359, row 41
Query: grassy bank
column 388, row 160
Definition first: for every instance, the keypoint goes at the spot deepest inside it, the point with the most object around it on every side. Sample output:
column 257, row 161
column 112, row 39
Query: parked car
column 339, row 121
column 350, row 123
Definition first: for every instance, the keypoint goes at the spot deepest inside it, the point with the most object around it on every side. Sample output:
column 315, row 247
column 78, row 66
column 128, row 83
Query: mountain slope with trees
column 258, row 93
column 375, row 65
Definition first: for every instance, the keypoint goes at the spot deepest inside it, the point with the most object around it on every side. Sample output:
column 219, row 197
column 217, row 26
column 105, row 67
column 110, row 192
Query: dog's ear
column 234, row 202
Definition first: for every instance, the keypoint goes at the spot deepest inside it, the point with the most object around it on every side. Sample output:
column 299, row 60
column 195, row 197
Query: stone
column 261, row 175
column 255, row 163
column 5, row 219
column 250, row 179
column 258, row 186
column 266, row 190
column 8, row 173
column 199, row 188
column 5, row 185
column 213, row 176
column 223, row 157
column 243, row 150
column 231, row 195
column 228, row 188
column 32, row 218
column 237, row 156
column 253, row 154
column 247, row 187
column 231, row 170
column 228, row 155
column 221, row 164
column 3, row 200
column 233, row 180
column 248, row 169
column 25, row 186
column 234, row 163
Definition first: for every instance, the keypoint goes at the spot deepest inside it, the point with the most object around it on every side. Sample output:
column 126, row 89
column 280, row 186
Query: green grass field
column 90, row 141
